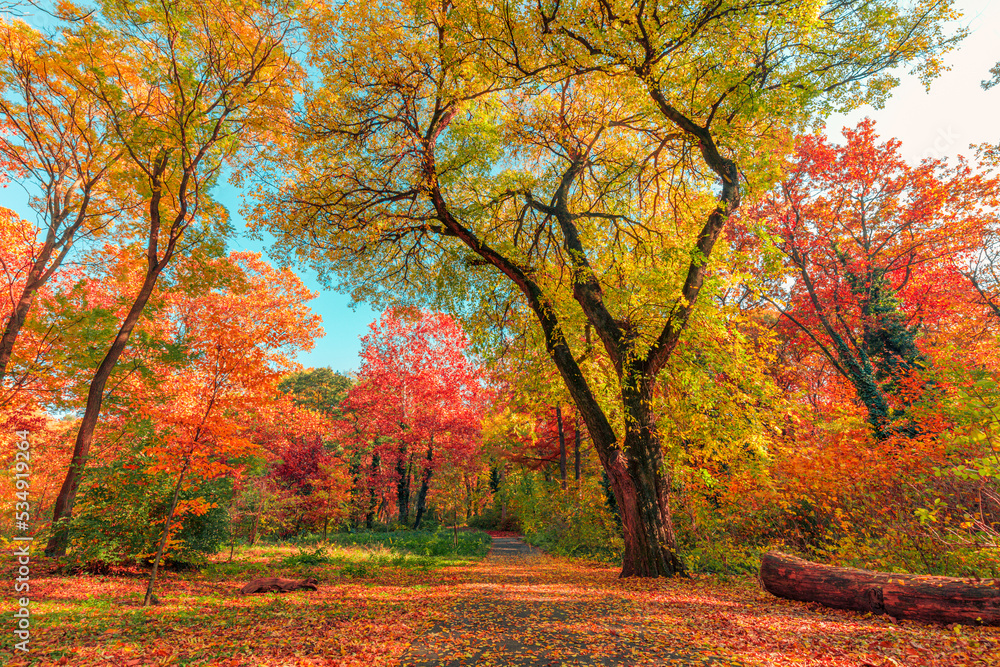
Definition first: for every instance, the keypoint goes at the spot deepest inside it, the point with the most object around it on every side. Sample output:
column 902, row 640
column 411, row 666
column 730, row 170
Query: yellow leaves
column 68, row 11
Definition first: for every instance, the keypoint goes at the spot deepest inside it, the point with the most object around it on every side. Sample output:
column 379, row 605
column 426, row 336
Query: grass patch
column 440, row 543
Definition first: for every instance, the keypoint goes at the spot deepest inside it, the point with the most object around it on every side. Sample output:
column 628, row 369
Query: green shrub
column 574, row 522
column 318, row 556
column 118, row 519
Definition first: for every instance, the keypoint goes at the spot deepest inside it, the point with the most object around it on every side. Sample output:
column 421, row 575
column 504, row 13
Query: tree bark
column 163, row 539
column 642, row 496
column 908, row 596
column 425, row 485
column 562, row 447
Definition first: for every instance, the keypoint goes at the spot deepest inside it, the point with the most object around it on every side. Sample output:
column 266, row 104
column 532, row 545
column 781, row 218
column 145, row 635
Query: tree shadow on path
column 521, row 608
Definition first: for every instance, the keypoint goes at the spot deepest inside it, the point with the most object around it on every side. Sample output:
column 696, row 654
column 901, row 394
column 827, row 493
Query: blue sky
column 943, row 122
column 343, row 325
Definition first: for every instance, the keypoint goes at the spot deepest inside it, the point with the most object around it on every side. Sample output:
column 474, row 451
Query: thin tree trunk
column 468, row 497
column 256, row 525
column 16, row 320
column 503, row 492
column 233, row 525
column 63, row 509
column 576, row 447
column 163, row 539
column 403, row 487
column 562, row 447
column 85, row 436
column 372, row 501
column 425, row 485
column 41, row 269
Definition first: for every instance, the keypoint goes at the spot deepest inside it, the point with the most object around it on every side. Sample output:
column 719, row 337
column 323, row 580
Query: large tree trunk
column 635, row 474
column 641, row 495
column 914, row 597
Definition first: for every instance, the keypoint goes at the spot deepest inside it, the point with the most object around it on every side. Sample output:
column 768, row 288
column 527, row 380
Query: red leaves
column 873, row 248
column 418, row 402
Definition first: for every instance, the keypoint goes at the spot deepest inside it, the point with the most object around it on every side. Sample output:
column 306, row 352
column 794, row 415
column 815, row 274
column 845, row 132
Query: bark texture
column 278, row 585
column 907, row 596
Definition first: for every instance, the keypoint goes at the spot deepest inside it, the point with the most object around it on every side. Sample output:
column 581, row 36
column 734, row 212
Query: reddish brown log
column 276, row 585
column 909, row 596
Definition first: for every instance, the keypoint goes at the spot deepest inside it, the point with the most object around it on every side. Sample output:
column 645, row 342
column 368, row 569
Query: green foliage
column 723, row 557
column 575, row 522
column 317, row 556
column 441, row 542
column 119, row 518
column 319, row 389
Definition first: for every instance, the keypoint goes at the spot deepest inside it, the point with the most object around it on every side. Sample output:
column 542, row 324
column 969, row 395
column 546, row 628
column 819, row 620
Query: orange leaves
column 17, row 245
column 236, row 339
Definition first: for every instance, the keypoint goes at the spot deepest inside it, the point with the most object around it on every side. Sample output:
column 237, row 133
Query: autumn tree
column 317, row 389
column 983, row 273
column 418, row 403
column 581, row 158
column 874, row 245
column 238, row 342
column 57, row 140
column 183, row 88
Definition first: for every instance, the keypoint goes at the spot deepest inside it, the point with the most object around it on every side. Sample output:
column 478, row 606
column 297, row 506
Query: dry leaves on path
column 516, row 610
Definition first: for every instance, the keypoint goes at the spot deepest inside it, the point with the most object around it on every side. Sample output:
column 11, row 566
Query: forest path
column 520, row 607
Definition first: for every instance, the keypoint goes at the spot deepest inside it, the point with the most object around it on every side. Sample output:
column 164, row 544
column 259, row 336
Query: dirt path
column 518, row 608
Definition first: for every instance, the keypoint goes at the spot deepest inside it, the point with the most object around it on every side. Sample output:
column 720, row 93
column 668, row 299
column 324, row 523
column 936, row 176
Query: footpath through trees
column 524, row 608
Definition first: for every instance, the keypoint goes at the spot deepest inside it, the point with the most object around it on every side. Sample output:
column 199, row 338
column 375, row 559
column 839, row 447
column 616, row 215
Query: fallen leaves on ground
column 534, row 610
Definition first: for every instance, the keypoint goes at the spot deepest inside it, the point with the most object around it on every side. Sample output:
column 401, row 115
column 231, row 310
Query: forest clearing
column 303, row 300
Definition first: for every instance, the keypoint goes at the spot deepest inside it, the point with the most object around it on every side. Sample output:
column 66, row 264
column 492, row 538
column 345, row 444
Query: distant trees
column 876, row 249
column 415, row 410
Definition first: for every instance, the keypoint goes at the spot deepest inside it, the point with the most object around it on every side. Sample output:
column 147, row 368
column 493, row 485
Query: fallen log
column 278, row 585
column 909, row 596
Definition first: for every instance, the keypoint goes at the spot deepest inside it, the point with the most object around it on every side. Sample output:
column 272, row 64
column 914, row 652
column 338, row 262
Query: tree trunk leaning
column 908, row 596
